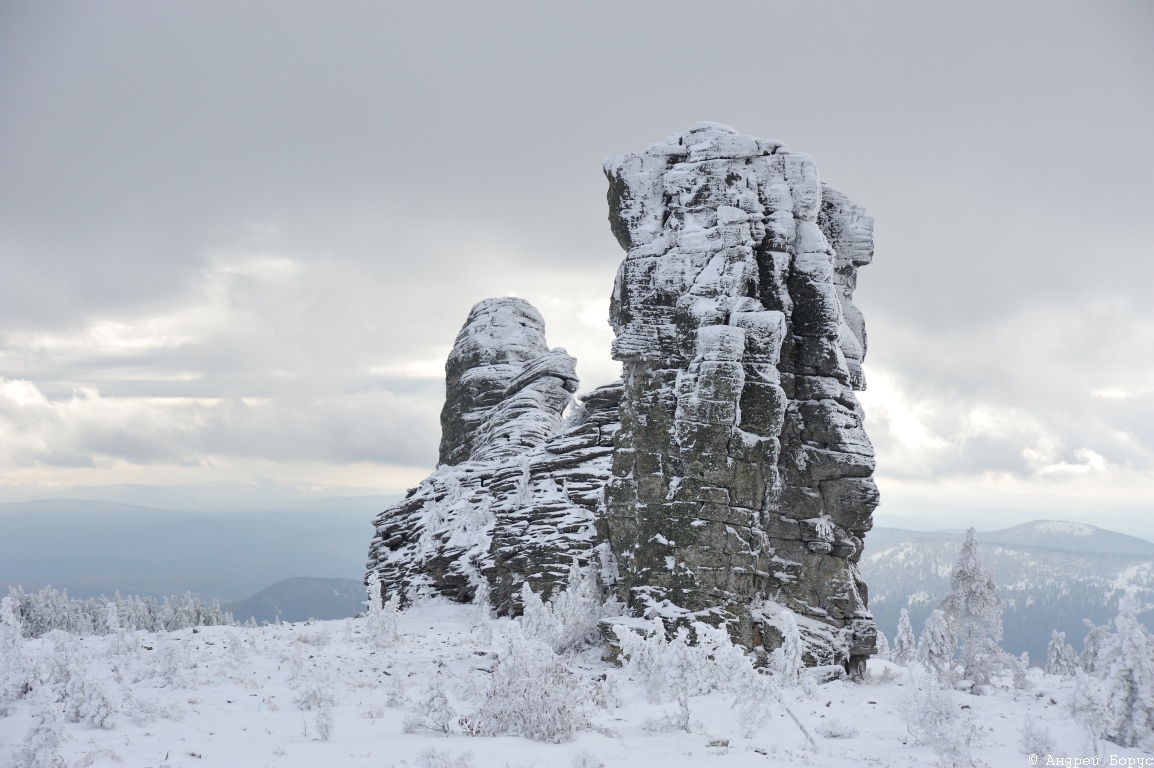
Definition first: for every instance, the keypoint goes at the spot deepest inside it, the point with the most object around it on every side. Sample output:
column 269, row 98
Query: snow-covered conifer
column 41, row 746
column 882, row 646
column 1088, row 706
column 936, row 646
column 381, row 617
column 1129, row 681
column 974, row 613
column 1060, row 657
column 905, row 647
column 1092, row 647
column 13, row 670
column 483, row 629
column 787, row 659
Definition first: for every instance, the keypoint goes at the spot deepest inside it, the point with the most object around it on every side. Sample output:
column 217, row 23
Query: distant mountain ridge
column 300, row 599
column 99, row 547
column 1051, row 575
column 216, row 496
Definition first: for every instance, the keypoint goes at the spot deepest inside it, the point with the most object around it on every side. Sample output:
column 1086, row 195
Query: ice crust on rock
column 728, row 476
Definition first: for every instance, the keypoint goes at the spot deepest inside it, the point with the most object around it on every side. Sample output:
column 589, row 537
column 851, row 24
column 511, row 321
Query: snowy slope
column 235, row 698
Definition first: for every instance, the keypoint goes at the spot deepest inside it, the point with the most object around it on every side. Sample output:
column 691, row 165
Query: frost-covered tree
column 786, row 661
column 905, row 647
column 1060, row 657
column 974, row 613
column 41, row 746
column 1088, row 706
column 936, row 646
column 381, row 617
column 483, row 629
column 1129, row 681
column 13, row 669
column 1092, row 647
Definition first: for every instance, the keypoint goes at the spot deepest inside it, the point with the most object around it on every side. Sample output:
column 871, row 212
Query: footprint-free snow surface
column 268, row 696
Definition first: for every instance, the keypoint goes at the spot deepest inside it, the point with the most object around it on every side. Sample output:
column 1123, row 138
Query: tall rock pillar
column 741, row 477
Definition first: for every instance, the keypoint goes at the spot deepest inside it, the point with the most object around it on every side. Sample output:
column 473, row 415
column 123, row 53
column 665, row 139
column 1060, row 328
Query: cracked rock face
column 728, row 475
column 741, row 475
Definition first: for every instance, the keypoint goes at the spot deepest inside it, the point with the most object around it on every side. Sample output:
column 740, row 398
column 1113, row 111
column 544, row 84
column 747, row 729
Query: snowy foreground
column 322, row 694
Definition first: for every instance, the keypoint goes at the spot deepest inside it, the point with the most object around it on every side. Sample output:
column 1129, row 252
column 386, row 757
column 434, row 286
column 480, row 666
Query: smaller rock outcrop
column 515, row 494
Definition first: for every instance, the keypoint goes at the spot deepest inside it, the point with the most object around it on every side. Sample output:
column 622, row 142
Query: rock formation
column 741, row 472
column 515, row 493
column 728, row 475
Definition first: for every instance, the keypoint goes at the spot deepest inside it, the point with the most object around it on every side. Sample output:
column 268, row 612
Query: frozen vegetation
column 446, row 684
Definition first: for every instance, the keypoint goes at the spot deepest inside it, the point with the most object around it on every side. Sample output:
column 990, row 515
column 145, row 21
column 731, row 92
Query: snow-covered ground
column 263, row 696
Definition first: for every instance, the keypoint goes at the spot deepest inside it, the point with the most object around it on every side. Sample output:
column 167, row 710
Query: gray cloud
column 214, row 204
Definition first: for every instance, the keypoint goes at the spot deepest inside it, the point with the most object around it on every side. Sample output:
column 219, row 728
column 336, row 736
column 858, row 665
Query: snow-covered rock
column 727, row 477
column 516, row 492
column 741, row 472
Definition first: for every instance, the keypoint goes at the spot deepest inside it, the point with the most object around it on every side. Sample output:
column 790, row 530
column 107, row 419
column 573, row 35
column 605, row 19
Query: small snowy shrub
column 1036, row 738
column 315, row 695
column 324, row 723
column 534, row 694
column 675, row 669
column 587, row 759
column 150, row 710
column 786, row 661
column 568, row 621
column 935, row 720
column 87, row 700
column 836, row 729
column 434, row 758
column 432, row 711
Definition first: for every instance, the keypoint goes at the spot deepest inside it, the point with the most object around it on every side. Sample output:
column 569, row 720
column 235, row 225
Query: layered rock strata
column 728, row 475
column 741, row 472
column 515, row 493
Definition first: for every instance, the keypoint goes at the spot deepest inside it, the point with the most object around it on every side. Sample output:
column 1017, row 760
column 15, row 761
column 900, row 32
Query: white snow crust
column 251, row 697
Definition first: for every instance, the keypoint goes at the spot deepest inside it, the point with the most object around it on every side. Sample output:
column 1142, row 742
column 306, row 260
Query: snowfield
column 326, row 694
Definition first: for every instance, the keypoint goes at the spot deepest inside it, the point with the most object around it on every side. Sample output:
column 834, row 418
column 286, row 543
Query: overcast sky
column 238, row 239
